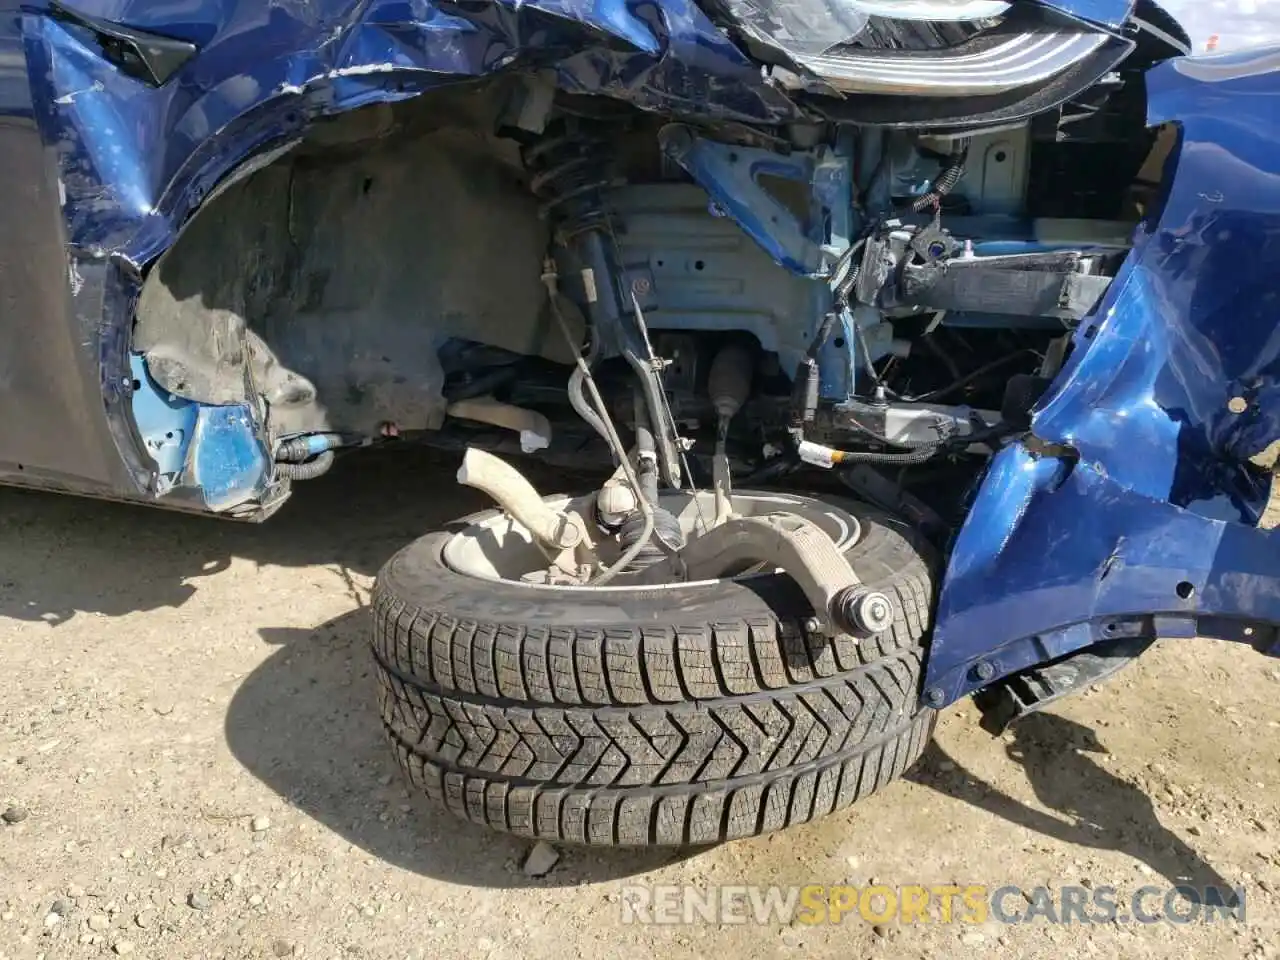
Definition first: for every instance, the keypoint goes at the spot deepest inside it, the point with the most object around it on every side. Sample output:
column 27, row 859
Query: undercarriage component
column 316, row 467
column 503, row 482
column 729, row 384
column 1033, row 690
column 1037, row 285
column 572, row 169
column 707, row 274
column 734, row 177
column 534, row 428
column 793, row 544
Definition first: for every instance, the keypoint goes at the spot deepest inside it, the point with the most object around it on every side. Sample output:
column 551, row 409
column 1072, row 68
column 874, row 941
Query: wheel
column 680, row 714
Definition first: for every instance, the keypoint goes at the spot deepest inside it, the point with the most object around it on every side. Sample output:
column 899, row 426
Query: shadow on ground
column 1091, row 806
column 306, row 724
column 62, row 555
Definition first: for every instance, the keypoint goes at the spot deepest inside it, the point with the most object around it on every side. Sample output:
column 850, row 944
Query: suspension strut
column 572, row 171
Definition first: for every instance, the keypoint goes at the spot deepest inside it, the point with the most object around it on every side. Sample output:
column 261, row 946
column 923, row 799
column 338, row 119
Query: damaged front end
column 920, row 249
column 1142, row 502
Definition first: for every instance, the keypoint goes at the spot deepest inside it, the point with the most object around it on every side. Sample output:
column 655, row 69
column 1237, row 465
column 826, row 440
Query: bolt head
column 641, row 285
column 1237, row 405
column 984, row 671
column 873, row 612
column 934, row 696
column 813, row 625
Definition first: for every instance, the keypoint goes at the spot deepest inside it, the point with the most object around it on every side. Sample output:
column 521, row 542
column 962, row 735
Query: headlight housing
column 954, row 49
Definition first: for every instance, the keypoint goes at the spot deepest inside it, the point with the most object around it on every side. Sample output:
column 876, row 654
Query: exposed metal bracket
column 802, row 549
column 730, row 174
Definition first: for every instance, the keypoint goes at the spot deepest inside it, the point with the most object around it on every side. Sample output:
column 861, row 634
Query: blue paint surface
column 227, row 460
column 1111, row 13
column 1154, row 509
column 137, row 159
column 214, row 449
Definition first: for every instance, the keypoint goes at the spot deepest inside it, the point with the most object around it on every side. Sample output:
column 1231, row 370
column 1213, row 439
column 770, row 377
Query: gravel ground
column 193, row 766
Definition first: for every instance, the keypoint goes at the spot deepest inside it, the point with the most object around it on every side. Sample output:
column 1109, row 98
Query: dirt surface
column 187, row 724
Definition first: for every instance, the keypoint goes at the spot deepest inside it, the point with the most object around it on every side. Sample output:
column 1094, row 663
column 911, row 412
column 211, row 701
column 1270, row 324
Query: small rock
column 260, row 824
column 1158, row 769
column 128, row 853
column 367, row 911
column 973, row 939
column 199, row 901
column 52, row 919
column 255, row 900
column 881, row 931
column 62, row 906
column 946, row 766
column 75, row 891
column 1195, row 830
column 15, row 814
column 99, row 922
column 540, row 860
column 163, row 708
column 284, row 948
column 123, row 947
column 143, row 920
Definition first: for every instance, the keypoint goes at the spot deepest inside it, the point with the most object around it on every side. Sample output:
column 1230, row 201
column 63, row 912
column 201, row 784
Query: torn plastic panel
column 216, row 450
column 1134, row 510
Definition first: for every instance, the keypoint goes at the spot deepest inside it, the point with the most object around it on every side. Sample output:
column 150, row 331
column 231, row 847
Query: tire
column 681, row 715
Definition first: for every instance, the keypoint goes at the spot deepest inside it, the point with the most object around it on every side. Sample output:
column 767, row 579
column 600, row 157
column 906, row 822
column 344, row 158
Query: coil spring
column 571, row 171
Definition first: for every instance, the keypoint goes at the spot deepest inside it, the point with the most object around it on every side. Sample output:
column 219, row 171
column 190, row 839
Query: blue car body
column 1130, row 510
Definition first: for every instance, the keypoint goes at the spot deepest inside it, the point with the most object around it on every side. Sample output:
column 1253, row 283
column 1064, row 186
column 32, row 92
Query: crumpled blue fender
column 1132, row 510
column 138, row 159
